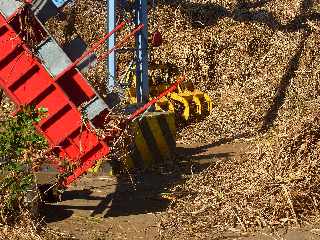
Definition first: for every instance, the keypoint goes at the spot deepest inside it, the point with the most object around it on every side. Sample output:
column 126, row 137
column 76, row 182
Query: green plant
column 20, row 146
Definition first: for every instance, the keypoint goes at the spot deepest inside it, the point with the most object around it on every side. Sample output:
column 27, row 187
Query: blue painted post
column 59, row 3
column 142, row 52
column 111, row 66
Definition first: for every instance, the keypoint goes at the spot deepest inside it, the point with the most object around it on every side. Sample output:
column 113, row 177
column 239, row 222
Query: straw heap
column 27, row 229
column 276, row 184
column 238, row 55
column 259, row 61
column 265, row 83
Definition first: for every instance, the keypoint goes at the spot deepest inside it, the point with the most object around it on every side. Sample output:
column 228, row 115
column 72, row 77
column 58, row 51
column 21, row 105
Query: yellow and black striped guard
column 155, row 140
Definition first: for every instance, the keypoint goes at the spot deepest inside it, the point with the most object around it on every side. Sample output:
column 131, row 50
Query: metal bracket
column 53, row 57
column 9, row 7
column 93, row 108
column 75, row 50
column 44, row 9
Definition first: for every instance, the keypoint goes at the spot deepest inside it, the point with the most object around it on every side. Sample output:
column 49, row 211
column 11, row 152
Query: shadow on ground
column 122, row 199
column 142, row 194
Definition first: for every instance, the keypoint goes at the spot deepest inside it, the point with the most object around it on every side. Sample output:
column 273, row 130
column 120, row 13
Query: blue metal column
column 142, row 52
column 111, row 11
column 59, row 3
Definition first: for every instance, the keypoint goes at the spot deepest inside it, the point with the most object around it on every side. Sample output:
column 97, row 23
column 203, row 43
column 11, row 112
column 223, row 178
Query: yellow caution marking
column 142, row 147
column 158, row 136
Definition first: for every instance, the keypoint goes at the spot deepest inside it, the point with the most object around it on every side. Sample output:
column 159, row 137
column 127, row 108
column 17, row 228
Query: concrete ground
column 104, row 207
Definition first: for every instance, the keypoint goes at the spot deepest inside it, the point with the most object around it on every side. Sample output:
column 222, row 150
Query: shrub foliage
column 20, row 147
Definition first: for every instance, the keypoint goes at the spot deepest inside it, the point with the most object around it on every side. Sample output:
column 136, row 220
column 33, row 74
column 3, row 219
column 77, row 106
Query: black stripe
column 91, row 152
column 168, row 135
column 137, row 159
column 150, row 140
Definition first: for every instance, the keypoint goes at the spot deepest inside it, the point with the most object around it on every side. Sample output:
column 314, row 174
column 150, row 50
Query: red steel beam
column 156, row 99
column 122, row 42
column 93, row 49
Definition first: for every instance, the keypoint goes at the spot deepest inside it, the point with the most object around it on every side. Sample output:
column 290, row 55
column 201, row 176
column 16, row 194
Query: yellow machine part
column 132, row 95
column 185, row 102
column 202, row 100
column 193, row 102
column 164, row 104
column 185, row 113
column 155, row 140
column 173, row 102
column 154, row 144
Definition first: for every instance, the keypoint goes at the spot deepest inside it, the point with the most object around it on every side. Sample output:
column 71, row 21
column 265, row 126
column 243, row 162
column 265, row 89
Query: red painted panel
column 76, row 87
column 84, row 140
column 82, row 82
column 3, row 20
column 9, row 63
column 72, row 151
column 19, row 67
column 27, row 81
column 52, row 99
column 8, row 41
column 61, row 124
column 89, row 161
column 31, row 84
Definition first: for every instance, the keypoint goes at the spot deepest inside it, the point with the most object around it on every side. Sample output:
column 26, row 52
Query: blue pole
column 111, row 66
column 142, row 52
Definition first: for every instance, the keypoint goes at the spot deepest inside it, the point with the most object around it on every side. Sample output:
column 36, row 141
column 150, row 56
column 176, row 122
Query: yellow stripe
column 142, row 146
column 159, row 138
column 110, row 173
column 109, row 170
column 95, row 168
column 172, row 124
column 141, row 143
column 128, row 162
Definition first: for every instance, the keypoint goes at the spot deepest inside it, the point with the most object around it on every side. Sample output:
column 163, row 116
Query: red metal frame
column 93, row 49
column 27, row 82
column 156, row 99
column 122, row 42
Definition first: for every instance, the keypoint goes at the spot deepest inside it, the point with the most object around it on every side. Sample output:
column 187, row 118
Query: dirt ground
column 104, row 207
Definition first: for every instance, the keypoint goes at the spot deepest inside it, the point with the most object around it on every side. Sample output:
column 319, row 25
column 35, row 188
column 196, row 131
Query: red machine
column 35, row 70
